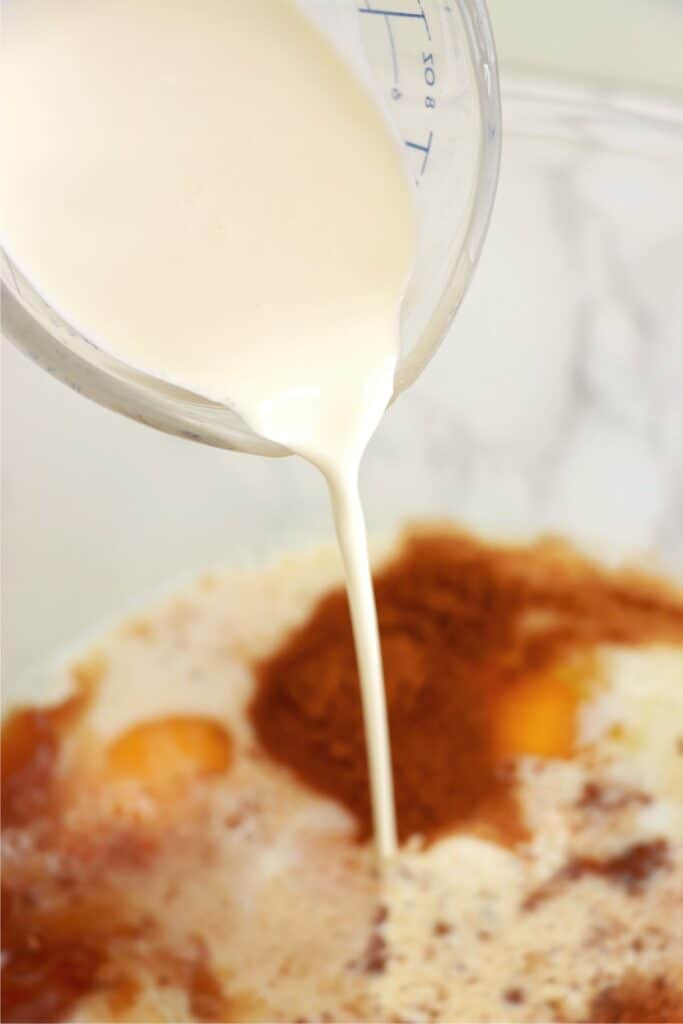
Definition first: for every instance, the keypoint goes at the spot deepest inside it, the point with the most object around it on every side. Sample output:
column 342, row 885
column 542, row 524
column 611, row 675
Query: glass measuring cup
column 432, row 68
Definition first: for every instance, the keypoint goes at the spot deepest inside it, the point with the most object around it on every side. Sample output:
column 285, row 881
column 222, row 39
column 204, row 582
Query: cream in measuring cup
column 207, row 192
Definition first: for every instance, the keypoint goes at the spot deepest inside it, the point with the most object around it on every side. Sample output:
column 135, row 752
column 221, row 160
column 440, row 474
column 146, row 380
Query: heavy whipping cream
column 207, row 192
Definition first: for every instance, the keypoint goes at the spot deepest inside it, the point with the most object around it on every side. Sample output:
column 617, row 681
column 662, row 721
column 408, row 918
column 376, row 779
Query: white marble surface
column 555, row 405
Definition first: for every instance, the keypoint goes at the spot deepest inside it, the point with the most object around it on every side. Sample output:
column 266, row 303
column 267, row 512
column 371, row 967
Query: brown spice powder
column 70, row 930
column 631, row 869
column 469, row 631
column 638, row 1000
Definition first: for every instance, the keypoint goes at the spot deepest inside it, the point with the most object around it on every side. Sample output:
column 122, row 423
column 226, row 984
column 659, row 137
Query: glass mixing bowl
column 555, row 405
column 432, row 69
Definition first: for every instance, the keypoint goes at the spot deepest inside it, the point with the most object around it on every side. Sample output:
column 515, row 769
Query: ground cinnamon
column 31, row 739
column 630, row 869
column 638, row 999
column 470, row 633
column 68, row 926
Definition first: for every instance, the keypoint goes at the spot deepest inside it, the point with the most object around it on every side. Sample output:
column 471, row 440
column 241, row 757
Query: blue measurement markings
column 428, row 67
column 389, row 12
column 424, row 149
